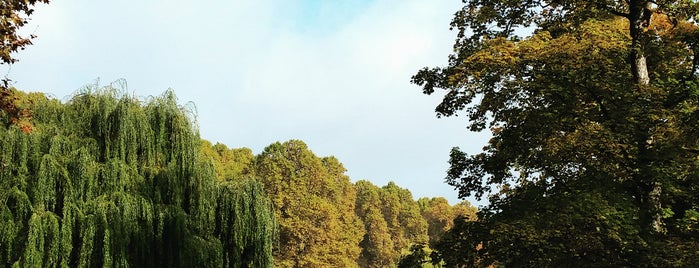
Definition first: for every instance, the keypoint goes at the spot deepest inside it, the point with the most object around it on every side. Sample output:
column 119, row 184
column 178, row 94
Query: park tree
column 108, row 180
column 402, row 214
column 314, row 203
column 593, row 158
column 377, row 245
column 441, row 218
column 392, row 222
column 465, row 210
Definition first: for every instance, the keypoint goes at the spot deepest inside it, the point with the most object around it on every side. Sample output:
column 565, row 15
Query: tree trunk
column 639, row 18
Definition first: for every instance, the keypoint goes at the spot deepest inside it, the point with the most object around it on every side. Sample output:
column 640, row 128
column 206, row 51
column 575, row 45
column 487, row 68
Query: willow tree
column 594, row 122
column 108, row 180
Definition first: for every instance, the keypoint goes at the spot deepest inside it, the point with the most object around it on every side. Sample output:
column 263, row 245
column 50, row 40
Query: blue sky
column 334, row 74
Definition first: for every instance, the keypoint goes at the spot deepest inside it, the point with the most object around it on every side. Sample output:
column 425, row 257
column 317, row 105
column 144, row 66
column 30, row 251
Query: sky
column 335, row 74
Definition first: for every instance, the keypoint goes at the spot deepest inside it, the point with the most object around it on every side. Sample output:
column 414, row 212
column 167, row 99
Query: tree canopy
column 593, row 157
column 392, row 222
column 314, row 204
column 106, row 179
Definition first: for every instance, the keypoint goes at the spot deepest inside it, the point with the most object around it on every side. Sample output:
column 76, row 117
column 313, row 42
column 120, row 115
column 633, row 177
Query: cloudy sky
column 335, row 74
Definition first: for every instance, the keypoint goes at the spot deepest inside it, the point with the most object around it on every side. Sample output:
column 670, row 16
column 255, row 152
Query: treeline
column 327, row 221
column 108, row 180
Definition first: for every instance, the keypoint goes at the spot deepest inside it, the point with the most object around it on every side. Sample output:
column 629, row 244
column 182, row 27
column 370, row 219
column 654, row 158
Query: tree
column 597, row 106
column 108, row 180
column 14, row 14
column 314, row 205
column 440, row 215
column 377, row 245
column 403, row 217
column 441, row 219
column 392, row 222
column 465, row 210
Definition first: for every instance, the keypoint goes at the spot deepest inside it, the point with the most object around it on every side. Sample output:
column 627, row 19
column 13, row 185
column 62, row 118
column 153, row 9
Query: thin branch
column 612, row 10
column 691, row 150
column 615, row 12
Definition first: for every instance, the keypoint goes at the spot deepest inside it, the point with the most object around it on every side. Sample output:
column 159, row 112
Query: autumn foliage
column 592, row 106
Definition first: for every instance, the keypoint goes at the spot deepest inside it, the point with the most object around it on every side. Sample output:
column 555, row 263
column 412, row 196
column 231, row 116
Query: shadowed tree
column 594, row 129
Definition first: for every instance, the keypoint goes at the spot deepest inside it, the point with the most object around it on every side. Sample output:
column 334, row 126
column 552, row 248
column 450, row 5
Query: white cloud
column 257, row 77
column 347, row 93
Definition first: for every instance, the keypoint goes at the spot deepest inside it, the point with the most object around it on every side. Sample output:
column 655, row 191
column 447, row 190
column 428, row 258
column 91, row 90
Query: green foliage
column 108, row 180
column 242, row 206
column 377, row 245
column 392, row 221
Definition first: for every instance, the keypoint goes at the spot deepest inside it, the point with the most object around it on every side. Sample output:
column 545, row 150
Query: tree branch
column 612, row 10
